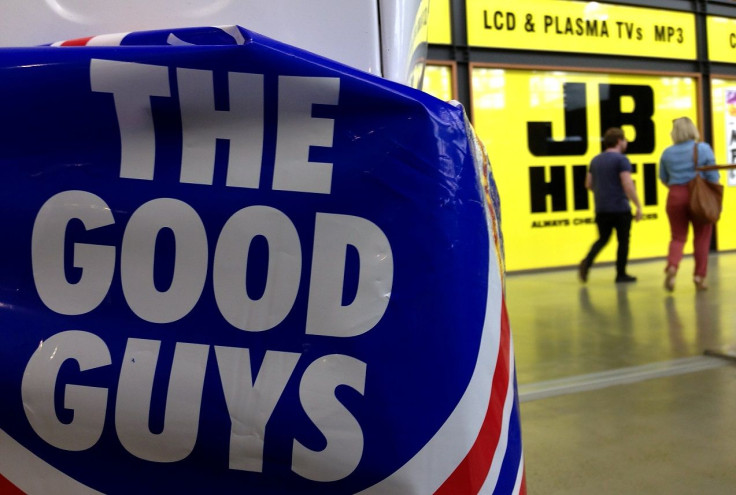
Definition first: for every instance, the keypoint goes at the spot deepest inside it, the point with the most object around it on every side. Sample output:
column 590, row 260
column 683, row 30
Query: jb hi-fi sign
column 552, row 180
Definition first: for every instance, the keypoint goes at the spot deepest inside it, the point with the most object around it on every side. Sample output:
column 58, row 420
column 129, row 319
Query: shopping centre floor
column 621, row 386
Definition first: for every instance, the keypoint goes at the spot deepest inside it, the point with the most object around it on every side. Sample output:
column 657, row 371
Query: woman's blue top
column 676, row 164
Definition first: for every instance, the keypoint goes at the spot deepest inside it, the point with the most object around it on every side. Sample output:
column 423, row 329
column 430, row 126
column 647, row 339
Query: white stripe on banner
column 174, row 40
column 519, row 475
column 32, row 474
column 503, row 440
column 113, row 39
column 233, row 31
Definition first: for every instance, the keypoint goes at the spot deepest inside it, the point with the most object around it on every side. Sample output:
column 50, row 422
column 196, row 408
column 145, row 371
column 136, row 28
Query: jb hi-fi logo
column 575, row 143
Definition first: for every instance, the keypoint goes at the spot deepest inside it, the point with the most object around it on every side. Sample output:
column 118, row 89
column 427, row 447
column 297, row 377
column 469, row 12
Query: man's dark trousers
column 621, row 221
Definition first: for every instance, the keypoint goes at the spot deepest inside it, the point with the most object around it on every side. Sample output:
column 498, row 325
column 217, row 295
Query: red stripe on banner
column 7, row 488
column 77, row 42
column 470, row 475
column 522, row 491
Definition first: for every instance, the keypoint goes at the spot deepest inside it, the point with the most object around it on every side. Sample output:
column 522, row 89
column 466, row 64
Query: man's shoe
column 625, row 278
column 583, row 271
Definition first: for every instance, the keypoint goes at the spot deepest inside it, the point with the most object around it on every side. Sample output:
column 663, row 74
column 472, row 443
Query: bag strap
column 695, row 156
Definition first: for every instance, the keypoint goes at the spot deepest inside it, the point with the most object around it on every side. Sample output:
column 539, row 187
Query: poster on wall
column 581, row 27
column 723, row 98
column 721, row 38
column 543, row 127
column 731, row 133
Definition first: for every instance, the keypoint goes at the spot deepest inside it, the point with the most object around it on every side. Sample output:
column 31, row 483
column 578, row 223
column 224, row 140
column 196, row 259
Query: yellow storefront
column 543, row 80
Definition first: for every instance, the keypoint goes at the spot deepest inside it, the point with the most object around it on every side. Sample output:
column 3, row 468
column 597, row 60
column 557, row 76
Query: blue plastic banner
column 229, row 265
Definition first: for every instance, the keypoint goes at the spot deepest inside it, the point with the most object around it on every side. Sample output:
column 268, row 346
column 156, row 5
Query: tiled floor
column 617, row 394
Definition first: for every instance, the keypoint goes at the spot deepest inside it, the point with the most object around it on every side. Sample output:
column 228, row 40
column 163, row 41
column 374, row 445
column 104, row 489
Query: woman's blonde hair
column 683, row 129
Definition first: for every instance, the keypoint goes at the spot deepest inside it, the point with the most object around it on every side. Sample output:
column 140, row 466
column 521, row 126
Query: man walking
column 609, row 177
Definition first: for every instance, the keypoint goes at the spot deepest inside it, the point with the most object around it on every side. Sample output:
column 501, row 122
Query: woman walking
column 676, row 169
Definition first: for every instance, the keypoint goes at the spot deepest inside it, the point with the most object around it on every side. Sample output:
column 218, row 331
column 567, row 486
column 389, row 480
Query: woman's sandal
column 700, row 283
column 669, row 280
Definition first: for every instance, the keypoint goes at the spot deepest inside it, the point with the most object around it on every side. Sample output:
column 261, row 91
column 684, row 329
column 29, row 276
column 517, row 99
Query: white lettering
column 231, row 260
column 88, row 403
column 341, row 430
column 184, row 397
column 202, row 125
column 325, row 314
column 298, row 130
column 47, row 253
column 251, row 403
column 132, row 85
column 190, row 264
